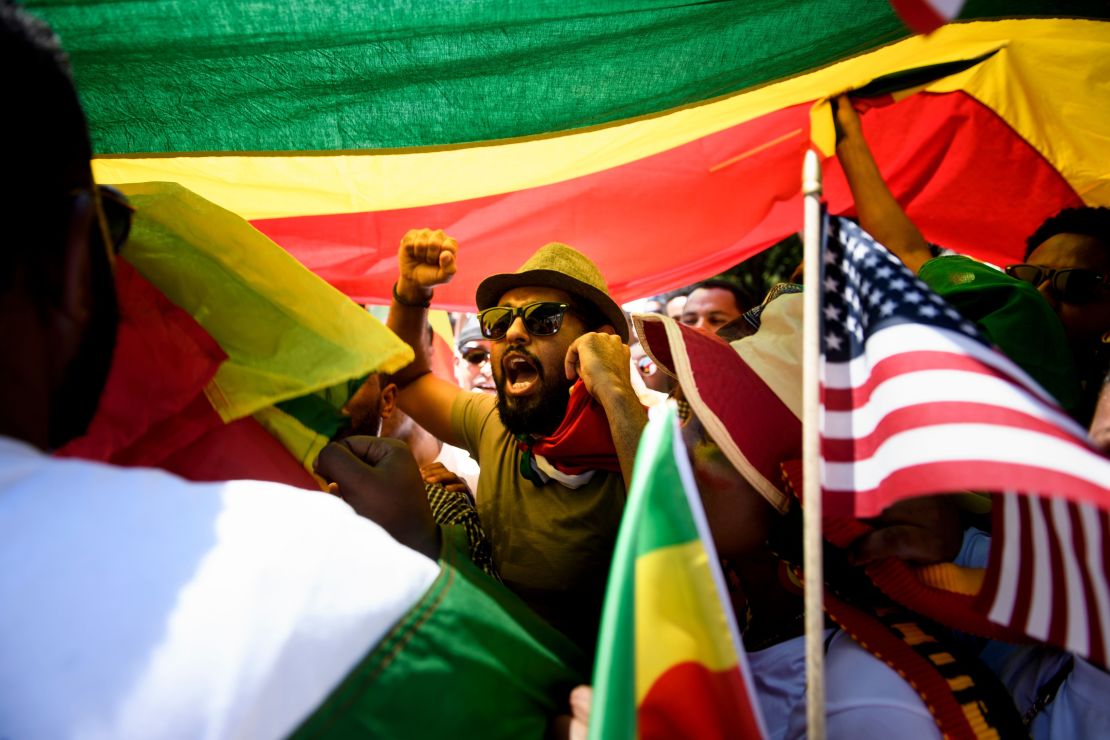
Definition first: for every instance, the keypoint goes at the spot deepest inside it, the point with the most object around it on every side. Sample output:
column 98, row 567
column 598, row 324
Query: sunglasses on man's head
column 541, row 319
column 475, row 355
column 1073, row 284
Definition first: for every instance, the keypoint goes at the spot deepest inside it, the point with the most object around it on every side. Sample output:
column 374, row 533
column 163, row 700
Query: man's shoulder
column 250, row 570
column 477, row 414
column 483, row 403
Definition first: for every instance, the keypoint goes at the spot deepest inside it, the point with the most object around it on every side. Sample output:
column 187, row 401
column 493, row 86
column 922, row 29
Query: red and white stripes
column 1047, row 574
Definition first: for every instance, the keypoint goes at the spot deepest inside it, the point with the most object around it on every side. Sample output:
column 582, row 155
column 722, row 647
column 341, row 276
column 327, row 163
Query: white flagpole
column 811, row 489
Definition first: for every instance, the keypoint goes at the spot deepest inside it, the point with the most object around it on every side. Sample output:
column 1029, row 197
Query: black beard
column 540, row 414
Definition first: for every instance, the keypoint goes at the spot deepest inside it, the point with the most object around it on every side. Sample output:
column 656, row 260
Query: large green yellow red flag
column 220, row 332
column 663, row 139
column 670, row 663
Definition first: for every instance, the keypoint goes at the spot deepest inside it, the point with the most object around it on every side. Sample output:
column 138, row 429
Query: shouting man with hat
column 556, row 444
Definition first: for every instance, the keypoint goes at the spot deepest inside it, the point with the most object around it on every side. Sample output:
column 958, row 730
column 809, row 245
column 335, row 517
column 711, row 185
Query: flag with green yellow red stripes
column 670, row 662
column 664, row 140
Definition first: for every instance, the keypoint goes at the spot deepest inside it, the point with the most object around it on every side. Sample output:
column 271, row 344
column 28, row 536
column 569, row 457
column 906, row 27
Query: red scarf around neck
column 582, row 442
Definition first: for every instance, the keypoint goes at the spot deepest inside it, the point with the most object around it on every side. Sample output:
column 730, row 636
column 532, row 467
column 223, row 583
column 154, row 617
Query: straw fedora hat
column 746, row 394
column 559, row 266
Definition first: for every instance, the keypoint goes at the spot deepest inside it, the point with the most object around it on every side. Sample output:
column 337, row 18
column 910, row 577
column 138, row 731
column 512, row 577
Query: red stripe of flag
column 1104, row 539
column 1057, row 589
column 626, row 221
column 1023, row 601
column 1096, row 648
column 909, row 418
column 690, row 700
column 946, row 476
column 919, row 15
column 1058, row 616
column 905, row 363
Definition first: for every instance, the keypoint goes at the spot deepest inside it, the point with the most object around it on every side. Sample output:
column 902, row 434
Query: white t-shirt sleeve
column 134, row 604
column 864, row 697
column 459, row 462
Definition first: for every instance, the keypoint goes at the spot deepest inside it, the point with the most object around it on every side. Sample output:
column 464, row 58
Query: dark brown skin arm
column 879, row 213
column 920, row 530
column 426, row 259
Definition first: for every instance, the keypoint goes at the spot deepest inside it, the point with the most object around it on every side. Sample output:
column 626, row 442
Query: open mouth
column 521, row 373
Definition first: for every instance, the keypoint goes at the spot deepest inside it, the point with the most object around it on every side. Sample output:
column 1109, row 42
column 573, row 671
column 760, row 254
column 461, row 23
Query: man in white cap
column 473, row 370
column 556, row 445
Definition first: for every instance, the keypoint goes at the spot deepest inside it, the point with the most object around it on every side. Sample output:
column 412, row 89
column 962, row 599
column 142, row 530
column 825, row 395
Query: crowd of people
column 460, row 551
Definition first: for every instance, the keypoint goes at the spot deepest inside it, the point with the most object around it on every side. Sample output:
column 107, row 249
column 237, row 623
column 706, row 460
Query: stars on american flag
column 867, row 288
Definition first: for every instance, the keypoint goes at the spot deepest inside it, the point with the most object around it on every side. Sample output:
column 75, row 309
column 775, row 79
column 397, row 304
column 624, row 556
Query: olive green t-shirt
column 551, row 544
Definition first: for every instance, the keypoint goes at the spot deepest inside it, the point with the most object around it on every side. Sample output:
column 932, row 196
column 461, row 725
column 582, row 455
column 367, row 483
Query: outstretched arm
column 426, row 259
column 879, row 213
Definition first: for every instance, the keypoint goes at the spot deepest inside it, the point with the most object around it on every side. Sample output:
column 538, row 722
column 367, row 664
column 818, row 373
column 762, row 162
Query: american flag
column 915, row 402
column 1047, row 573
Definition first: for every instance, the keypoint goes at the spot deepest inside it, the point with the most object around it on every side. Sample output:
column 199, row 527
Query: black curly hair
column 1093, row 221
column 44, row 133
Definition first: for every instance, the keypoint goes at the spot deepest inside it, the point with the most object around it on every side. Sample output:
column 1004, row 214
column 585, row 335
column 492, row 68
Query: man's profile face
column 529, row 371
column 85, row 375
column 1083, row 323
column 708, row 309
column 474, row 366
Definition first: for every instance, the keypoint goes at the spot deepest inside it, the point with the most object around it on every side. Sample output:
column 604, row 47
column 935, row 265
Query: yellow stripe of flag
column 679, row 617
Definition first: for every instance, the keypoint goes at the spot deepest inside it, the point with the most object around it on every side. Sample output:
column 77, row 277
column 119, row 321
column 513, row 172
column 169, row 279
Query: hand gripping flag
column 915, row 402
column 670, row 663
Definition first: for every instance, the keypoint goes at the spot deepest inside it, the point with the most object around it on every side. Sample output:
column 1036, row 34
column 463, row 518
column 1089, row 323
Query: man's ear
column 606, row 329
column 75, row 286
column 71, row 306
column 388, row 400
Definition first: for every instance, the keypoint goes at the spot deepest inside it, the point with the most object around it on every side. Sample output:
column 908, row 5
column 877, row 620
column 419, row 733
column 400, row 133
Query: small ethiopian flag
column 670, row 663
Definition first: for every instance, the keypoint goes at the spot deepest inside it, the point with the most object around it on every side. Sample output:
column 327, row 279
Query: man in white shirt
column 135, row 604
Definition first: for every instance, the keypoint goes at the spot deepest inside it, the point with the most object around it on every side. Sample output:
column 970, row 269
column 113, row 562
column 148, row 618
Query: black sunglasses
column 475, row 355
column 541, row 319
column 1076, row 285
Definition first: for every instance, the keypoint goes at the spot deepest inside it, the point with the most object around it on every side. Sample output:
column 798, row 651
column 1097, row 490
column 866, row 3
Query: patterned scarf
column 964, row 697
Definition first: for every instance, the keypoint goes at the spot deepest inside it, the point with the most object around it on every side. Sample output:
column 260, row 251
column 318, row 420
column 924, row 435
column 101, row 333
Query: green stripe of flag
column 657, row 515
column 317, row 75
column 468, row 660
column 201, row 75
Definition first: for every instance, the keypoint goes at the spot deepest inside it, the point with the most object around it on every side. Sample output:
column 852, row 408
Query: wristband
column 426, row 303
